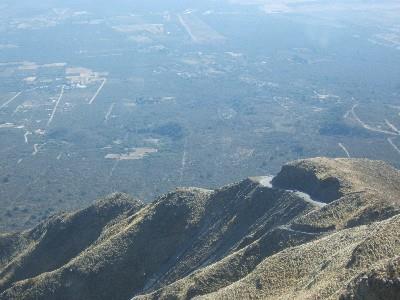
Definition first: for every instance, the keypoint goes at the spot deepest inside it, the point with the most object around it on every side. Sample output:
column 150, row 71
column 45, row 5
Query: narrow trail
column 394, row 128
column 35, row 149
column 56, row 106
column 10, row 100
column 110, row 175
column 187, row 28
column 390, row 140
column 107, row 116
column 183, row 162
column 288, row 228
column 368, row 127
column 344, row 149
column 98, row 91
column 26, row 136
column 346, row 115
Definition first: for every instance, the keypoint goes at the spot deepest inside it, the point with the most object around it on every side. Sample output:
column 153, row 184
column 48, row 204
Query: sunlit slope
column 243, row 241
column 322, row 268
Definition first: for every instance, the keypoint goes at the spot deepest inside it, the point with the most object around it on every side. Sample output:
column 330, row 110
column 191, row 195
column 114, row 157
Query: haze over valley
column 142, row 98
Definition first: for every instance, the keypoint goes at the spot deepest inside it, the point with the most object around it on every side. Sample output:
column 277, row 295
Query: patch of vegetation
column 342, row 129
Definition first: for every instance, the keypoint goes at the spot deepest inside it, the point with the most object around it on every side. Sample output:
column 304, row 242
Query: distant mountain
column 321, row 229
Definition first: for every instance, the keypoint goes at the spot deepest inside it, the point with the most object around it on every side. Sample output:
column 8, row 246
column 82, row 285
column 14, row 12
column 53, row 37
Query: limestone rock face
column 323, row 229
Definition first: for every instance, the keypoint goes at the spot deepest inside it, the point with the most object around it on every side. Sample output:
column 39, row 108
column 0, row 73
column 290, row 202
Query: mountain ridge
column 312, row 231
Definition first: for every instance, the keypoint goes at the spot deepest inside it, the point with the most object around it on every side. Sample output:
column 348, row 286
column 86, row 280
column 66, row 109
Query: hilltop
column 321, row 229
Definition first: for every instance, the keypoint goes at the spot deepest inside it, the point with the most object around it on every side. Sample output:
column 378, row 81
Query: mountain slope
column 317, row 269
column 247, row 240
column 53, row 243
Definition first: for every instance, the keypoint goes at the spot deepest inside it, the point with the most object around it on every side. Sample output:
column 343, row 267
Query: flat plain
column 142, row 99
